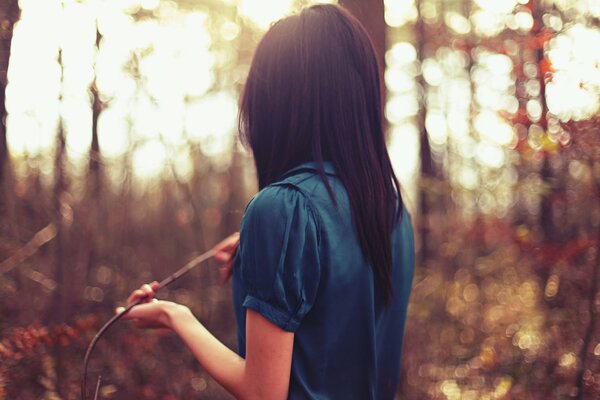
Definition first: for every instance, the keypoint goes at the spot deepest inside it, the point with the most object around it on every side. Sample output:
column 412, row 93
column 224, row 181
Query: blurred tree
column 427, row 172
column 94, row 184
column 371, row 14
column 9, row 14
column 91, row 222
column 59, row 309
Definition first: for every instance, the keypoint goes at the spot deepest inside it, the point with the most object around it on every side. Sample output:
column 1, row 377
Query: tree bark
column 94, row 162
column 59, row 311
column 90, row 222
column 427, row 175
column 593, row 310
column 546, row 215
column 371, row 14
column 9, row 14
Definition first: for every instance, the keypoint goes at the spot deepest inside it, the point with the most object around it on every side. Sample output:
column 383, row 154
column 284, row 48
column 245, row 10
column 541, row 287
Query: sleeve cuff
column 280, row 318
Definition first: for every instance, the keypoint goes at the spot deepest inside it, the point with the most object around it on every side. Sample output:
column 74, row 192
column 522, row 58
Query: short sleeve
column 279, row 255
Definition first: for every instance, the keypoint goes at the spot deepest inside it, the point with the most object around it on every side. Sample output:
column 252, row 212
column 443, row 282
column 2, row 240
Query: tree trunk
column 91, row 223
column 371, row 14
column 427, row 168
column 9, row 14
column 59, row 309
column 94, row 163
column 593, row 310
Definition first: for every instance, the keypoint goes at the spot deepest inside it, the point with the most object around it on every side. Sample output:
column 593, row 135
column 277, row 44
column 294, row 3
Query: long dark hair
column 313, row 93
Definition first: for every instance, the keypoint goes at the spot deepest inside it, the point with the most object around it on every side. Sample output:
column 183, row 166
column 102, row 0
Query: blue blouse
column 299, row 264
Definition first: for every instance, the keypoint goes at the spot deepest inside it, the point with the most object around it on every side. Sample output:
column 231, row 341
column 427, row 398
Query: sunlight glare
column 77, row 117
column 400, row 12
column 468, row 178
column 124, row 6
column 490, row 155
column 183, row 164
column 567, row 99
column 150, row 4
column 403, row 148
column 112, row 132
column 432, row 72
column 230, row 30
column 400, row 107
column 400, row 54
column 264, row 12
column 487, row 23
column 493, row 129
column 27, row 135
column 458, row 124
column 398, row 81
column 573, row 92
column 524, row 21
column 435, row 122
column 497, row 6
column 34, row 79
column 457, row 22
column 212, row 121
column 149, row 159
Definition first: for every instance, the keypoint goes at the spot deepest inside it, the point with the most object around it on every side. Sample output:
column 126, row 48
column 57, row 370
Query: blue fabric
column 299, row 264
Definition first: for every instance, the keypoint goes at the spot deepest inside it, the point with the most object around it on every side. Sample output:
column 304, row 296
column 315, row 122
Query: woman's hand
column 151, row 313
column 225, row 251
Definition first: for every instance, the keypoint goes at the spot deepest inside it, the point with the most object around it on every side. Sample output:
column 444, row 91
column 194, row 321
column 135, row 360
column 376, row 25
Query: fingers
column 146, row 291
column 225, row 273
column 234, row 242
column 222, row 256
column 147, row 311
column 136, row 294
column 229, row 244
column 119, row 310
column 225, row 251
column 148, row 315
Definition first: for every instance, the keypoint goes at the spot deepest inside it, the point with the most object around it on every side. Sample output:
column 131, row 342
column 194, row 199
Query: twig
column 36, row 276
column 97, row 387
column 39, row 239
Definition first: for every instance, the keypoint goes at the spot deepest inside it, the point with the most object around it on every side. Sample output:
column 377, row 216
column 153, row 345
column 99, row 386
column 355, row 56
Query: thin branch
column 39, row 239
column 36, row 276
column 97, row 387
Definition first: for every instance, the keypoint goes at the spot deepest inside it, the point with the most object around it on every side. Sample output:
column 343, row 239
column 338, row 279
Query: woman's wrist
column 175, row 314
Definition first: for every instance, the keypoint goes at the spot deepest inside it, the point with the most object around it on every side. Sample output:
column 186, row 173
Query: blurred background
column 119, row 162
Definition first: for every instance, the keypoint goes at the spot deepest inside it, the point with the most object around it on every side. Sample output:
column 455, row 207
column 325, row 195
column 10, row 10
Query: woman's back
column 301, row 266
column 324, row 267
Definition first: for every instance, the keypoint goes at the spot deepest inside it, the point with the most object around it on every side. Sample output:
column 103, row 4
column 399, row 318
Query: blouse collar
column 311, row 166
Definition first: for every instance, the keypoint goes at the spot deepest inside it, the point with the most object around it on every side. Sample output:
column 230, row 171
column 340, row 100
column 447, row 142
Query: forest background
column 119, row 162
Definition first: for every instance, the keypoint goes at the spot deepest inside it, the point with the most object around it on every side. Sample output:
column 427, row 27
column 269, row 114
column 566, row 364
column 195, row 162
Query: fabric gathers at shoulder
column 279, row 255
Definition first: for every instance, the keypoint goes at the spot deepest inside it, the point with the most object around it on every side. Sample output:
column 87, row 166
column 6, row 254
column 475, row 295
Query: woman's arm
column 264, row 374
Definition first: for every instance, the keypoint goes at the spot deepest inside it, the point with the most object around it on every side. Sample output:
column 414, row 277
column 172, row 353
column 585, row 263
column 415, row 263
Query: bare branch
column 39, row 239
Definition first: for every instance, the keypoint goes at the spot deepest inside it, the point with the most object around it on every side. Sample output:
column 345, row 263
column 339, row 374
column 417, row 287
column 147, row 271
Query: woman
column 324, row 267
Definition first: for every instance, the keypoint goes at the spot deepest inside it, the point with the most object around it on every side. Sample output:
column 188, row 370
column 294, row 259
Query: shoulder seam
column 309, row 202
column 298, row 179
